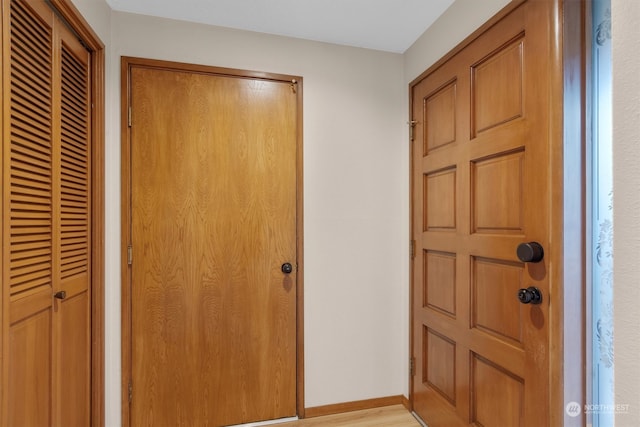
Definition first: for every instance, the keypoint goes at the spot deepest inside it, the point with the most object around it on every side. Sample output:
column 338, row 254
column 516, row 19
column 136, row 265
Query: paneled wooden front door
column 482, row 185
column 212, row 217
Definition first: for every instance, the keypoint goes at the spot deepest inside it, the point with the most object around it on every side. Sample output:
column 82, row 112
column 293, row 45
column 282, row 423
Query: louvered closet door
column 46, row 224
column 72, row 243
column 30, row 219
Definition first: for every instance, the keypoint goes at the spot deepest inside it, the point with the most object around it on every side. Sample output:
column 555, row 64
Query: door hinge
column 129, row 117
column 412, row 366
column 412, row 248
column 129, row 255
column 130, row 391
column 412, row 124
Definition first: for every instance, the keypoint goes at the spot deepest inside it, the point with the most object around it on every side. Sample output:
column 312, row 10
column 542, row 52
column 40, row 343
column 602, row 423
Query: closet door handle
column 60, row 295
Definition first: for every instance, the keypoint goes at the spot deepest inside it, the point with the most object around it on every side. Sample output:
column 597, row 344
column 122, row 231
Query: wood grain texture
column 493, row 284
column 490, row 363
column 440, row 281
column 498, row 87
column 213, row 217
column 46, row 376
column 440, row 200
column 439, row 368
column 395, row 415
column 95, row 47
column 30, row 378
column 72, row 266
column 339, row 408
column 501, row 175
column 74, row 359
column 28, row 217
column 440, row 115
column 31, row 156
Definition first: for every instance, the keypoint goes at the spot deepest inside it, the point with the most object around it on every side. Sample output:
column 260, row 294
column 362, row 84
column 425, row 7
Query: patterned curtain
column 601, row 405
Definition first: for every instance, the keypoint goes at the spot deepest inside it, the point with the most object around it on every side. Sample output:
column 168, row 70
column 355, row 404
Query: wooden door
column 482, row 185
column 213, row 170
column 73, row 241
column 46, row 223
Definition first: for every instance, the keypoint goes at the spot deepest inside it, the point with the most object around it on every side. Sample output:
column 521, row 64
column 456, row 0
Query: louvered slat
column 30, row 202
column 74, row 167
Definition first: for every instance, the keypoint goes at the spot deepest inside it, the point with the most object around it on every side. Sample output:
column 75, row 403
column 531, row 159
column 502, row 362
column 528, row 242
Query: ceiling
column 387, row 25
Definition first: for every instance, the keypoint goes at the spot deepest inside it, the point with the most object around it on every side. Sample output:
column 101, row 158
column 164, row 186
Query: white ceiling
column 388, row 25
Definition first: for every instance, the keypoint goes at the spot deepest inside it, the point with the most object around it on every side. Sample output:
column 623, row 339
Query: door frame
column 125, row 93
column 568, row 124
column 76, row 22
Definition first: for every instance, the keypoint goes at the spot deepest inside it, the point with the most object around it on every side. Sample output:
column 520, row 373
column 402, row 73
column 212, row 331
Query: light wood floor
column 396, row 416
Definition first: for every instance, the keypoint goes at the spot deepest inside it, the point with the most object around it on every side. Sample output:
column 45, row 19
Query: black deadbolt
column 531, row 295
column 286, row 268
column 530, row 252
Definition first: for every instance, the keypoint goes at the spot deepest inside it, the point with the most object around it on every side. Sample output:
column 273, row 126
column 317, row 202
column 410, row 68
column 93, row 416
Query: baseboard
column 406, row 403
column 339, row 408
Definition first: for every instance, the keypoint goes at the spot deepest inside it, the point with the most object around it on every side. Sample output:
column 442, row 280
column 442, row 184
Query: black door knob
column 286, row 268
column 531, row 295
column 530, row 252
column 60, row 295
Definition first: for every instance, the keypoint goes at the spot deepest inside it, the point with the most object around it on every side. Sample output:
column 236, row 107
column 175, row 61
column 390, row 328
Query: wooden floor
column 396, row 416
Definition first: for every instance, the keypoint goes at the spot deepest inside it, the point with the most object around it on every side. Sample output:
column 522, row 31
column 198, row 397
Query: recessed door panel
column 440, row 282
column 497, row 87
column 440, row 117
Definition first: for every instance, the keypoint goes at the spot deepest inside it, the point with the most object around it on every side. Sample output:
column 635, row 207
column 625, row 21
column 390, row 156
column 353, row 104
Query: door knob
column 60, row 295
column 530, row 252
column 286, row 268
column 531, row 295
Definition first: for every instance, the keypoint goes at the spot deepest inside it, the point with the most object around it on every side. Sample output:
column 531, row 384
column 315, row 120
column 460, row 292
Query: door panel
column 47, row 223
column 30, row 397
column 74, row 364
column 213, row 218
column 74, row 238
column 29, row 212
column 481, row 183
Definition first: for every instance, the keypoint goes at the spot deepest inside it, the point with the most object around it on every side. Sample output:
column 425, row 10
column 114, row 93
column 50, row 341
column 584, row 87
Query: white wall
column 98, row 14
column 626, row 207
column 461, row 19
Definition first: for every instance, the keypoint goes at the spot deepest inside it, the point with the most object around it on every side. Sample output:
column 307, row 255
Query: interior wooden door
column 482, row 185
column 213, row 170
column 46, row 223
column 73, row 198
